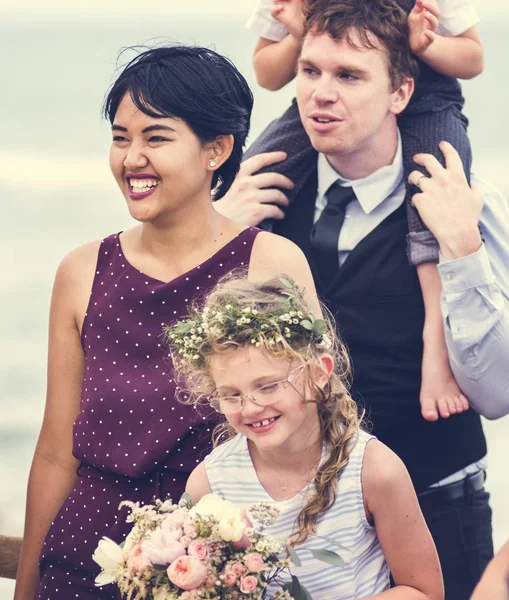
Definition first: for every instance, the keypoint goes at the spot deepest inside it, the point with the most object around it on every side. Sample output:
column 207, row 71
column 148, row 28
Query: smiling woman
column 202, row 108
column 113, row 429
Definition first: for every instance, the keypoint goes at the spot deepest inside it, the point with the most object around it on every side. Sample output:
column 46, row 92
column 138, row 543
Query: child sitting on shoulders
column 292, row 437
column 443, row 38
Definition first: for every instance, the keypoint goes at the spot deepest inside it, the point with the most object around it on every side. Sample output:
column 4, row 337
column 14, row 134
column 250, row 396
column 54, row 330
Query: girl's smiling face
column 159, row 164
column 290, row 421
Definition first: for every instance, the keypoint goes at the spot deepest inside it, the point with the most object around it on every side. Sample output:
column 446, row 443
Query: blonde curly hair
column 338, row 414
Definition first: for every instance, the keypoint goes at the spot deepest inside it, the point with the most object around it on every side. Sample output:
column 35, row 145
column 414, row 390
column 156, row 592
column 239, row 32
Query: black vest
column 377, row 303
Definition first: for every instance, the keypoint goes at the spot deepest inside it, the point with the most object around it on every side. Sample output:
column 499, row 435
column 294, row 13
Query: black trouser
column 462, row 532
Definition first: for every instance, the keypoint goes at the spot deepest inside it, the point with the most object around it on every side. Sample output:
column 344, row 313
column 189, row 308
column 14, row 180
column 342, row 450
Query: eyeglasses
column 263, row 396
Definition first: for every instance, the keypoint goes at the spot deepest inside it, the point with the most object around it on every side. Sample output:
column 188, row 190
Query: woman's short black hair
column 196, row 85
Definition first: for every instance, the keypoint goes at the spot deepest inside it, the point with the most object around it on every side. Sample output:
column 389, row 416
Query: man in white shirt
column 355, row 131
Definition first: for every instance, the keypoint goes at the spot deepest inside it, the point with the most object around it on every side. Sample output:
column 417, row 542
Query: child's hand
column 423, row 23
column 440, row 394
column 291, row 14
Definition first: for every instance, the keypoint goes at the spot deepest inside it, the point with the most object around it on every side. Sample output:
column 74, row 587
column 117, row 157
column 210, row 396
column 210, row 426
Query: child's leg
column 440, row 394
column 287, row 134
column 422, row 133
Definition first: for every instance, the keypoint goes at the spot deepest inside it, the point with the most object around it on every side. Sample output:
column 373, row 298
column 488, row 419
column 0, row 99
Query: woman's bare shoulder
column 82, row 256
column 74, row 280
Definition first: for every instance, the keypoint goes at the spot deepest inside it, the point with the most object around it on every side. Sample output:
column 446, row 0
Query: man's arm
column 10, row 549
column 475, row 298
column 476, row 322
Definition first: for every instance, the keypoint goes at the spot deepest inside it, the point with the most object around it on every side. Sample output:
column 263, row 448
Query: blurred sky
column 35, row 9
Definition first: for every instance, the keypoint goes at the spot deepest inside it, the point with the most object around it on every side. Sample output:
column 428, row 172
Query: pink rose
column 254, row 562
column 187, row 572
column 160, row 548
column 136, row 560
column 185, row 541
column 210, row 581
column 198, row 549
column 238, row 569
column 248, row 584
column 230, row 577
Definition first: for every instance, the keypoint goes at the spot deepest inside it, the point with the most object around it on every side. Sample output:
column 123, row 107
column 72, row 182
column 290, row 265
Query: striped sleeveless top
column 232, row 475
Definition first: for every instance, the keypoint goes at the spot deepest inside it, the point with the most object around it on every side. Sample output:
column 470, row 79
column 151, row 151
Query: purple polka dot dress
column 135, row 441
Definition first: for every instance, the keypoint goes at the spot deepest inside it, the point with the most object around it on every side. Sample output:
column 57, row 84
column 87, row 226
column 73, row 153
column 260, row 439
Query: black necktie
column 325, row 232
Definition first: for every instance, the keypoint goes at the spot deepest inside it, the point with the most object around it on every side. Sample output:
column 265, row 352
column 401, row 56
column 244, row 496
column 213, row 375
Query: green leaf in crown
column 288, row 319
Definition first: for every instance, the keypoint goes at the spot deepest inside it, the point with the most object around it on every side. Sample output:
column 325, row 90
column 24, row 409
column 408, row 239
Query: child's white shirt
column 456, row 17
column 263, row 23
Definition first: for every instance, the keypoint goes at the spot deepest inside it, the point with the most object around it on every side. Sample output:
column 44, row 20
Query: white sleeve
column 456, row 16
column 475, row 307
column 264, row 25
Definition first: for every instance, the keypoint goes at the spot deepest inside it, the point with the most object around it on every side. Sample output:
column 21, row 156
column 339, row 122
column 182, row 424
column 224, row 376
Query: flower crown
column 225, row 322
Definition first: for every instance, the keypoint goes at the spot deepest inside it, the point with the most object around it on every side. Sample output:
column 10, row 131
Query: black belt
column 435, row 497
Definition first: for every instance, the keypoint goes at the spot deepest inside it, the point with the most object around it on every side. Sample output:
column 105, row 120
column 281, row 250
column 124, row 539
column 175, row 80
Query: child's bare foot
column 440, row 394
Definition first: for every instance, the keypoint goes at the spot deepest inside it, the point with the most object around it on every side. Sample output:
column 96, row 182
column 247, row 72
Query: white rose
column 231, row 529
column 214, row 505
column 110, row 557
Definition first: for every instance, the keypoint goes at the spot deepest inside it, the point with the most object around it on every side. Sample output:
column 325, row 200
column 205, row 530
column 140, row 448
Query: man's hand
column 423, row 24
column 253, row 197
column 291, row 14
column 447, row 205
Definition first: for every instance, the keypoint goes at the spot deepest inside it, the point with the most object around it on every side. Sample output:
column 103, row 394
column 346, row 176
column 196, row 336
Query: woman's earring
column 212, row 164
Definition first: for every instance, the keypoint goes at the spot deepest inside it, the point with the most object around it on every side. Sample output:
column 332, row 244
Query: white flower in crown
column 111, row 558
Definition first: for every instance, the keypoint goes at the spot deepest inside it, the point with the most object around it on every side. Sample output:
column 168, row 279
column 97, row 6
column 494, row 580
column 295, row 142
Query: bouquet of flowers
column 184, row 552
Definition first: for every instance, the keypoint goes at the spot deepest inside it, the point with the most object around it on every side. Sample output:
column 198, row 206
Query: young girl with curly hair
column 292, row 436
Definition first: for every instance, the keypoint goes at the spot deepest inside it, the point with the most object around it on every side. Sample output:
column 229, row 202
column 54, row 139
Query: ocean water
column 57, row 193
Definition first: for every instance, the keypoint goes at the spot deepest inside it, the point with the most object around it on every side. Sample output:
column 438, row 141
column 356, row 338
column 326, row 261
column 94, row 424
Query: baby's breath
column 290, row 321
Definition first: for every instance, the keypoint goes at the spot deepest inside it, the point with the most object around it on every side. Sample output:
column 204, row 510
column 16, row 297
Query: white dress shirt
column 378, row 195
column 475, row 288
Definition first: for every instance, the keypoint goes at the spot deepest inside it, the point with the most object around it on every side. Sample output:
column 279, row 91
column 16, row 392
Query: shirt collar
column 370, row 191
